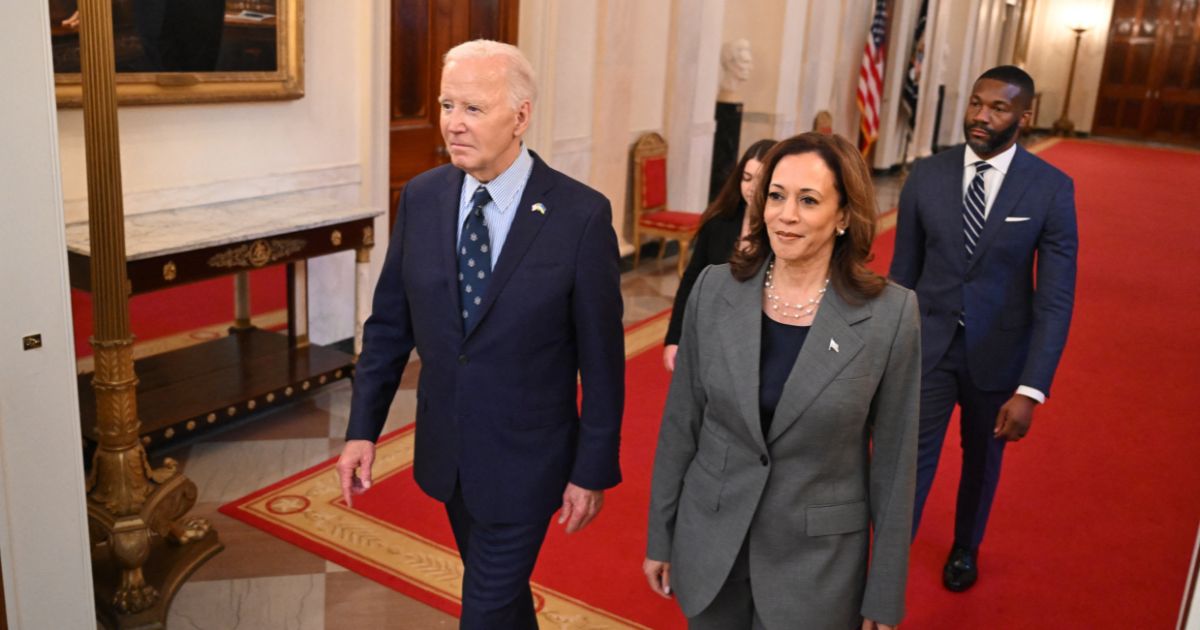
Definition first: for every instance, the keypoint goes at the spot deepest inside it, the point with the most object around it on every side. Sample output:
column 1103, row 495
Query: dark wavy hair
column 729, row 202
column 848, row 272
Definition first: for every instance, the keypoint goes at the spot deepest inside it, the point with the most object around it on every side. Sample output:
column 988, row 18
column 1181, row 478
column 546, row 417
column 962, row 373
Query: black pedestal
column 725, row 145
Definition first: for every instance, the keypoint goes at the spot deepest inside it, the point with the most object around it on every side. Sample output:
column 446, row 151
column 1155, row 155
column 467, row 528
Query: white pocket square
column 1015, row 219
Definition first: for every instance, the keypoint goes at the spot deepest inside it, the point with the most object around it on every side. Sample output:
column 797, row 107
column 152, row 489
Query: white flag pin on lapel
column 833, row 345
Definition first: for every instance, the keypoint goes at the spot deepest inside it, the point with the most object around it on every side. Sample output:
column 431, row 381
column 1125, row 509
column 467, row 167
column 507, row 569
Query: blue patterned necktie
column 474, row 259
column 974, row 203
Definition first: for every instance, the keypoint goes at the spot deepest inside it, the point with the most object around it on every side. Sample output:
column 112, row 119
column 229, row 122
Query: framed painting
column 189, row 51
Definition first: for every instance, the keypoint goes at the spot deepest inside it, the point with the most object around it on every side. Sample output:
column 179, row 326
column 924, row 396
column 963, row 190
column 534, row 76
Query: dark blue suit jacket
column 498, row 408
column 1017, row 291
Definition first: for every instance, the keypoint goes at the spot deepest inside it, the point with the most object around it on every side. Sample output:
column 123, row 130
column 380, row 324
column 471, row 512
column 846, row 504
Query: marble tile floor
column 262, row 583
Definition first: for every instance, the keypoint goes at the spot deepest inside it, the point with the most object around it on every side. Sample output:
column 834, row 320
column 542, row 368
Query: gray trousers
column 733, row 607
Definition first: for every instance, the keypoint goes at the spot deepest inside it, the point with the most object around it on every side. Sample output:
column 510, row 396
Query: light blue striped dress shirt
column 506, row 191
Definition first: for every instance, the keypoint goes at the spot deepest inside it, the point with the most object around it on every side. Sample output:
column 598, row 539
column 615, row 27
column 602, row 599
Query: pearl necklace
column 801, row 310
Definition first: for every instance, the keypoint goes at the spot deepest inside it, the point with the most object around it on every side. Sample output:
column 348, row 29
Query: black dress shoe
column 961, row 570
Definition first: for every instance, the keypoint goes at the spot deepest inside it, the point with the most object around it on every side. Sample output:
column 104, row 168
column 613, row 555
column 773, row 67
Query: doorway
column 422, row 32
column 1150, row 83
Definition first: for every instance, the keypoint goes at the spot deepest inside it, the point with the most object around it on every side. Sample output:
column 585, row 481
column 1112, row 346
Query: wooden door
column 1175, row 112
column 1150, row 82
column 422, row 32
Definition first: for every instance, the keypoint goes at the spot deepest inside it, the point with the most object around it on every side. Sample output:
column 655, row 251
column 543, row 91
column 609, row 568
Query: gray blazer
column 840, row 457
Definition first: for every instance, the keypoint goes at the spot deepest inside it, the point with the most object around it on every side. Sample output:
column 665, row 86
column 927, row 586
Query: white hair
column 521, row 82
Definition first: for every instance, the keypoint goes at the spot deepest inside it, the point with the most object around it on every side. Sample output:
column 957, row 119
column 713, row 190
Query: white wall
column 1051, row 43
column 651, row 36
column 953, row 43
column 563, row 46
column 43, row 526
column 601, row 69
column 772, row 97
column 760, row 22
column 692, row 73
column 819, row 75
column 854, row 21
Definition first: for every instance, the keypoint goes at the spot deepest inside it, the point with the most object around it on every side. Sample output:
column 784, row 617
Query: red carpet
column 1096, row 515
column 600, row 566
column 1097, row 509
column 183, row 308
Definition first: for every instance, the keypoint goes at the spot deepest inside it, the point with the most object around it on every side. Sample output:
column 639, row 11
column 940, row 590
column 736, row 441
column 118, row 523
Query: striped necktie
column 974, row 203
column 474, row 259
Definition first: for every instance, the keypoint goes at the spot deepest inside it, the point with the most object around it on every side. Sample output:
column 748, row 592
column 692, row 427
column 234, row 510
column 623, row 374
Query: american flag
column 870, row 78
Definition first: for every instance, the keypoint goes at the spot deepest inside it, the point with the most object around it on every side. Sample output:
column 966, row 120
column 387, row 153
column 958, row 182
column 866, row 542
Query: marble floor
column 262, row 583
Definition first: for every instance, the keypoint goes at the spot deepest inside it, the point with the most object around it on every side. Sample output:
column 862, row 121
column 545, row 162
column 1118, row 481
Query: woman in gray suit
column 789, row 434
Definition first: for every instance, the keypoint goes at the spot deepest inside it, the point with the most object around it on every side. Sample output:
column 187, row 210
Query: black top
column 714, row 245
column 781, row 345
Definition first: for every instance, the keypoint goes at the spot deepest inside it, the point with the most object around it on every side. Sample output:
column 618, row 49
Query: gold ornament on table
column 256, row 254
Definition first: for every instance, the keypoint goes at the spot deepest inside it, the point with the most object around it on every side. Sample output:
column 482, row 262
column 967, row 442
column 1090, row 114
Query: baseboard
column 345, row 345
column 649, row 250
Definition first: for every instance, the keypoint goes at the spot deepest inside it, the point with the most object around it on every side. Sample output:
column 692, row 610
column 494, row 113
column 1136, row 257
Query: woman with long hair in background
column 723, row 224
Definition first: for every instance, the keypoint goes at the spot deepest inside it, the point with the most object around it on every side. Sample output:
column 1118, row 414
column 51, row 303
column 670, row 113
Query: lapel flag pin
column 539, row 208
column 834, row 346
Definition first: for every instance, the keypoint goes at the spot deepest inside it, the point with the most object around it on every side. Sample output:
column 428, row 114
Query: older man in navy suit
column 986, row 236
column 504, row 275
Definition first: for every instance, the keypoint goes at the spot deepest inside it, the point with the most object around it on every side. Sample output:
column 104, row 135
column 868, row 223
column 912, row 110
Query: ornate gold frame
column 150, row 88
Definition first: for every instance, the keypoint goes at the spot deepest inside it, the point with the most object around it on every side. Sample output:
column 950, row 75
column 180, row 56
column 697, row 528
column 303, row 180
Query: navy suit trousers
column 498, row 560
column 947, row 384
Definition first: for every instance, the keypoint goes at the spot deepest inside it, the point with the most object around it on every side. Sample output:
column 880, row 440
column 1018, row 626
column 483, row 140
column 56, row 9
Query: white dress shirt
column 993, row 178
column 506, row 190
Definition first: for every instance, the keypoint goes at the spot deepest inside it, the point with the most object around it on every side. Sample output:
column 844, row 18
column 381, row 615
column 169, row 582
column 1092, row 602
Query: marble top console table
column 191, row 390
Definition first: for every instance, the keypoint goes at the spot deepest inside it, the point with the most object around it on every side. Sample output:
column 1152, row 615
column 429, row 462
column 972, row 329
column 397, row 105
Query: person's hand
column 659, row 576
column 1012, row 423
column 869, row 624
column 669, row 352
column 73, row 21
column 356, row 455
column 579, row 507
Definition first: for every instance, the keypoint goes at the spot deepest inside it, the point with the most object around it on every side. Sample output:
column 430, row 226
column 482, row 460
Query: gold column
column 136, row 514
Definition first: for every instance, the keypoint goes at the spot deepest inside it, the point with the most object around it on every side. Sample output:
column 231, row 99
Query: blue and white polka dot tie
column 474, row 259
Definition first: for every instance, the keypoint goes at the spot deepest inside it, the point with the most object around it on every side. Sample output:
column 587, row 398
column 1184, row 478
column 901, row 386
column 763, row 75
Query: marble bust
column 736, row 64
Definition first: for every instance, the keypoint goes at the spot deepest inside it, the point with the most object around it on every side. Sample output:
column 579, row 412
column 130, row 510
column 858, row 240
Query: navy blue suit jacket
column 1016, row 293
column 498, row 408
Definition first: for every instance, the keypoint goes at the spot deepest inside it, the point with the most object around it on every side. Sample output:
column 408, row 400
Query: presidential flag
column 912, row 78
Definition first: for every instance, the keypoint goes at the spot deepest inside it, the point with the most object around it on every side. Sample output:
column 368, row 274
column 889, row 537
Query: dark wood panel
column 195, row 390
column 1150, row 81
column 410, row 61
column 160, row 272
column 422, row 32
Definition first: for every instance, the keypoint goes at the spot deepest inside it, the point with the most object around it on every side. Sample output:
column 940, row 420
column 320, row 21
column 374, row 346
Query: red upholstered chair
column 650, row 214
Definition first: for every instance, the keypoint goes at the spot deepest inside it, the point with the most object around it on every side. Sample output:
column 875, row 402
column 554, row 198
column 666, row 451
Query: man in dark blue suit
column 986, row 236
column 504, row 275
